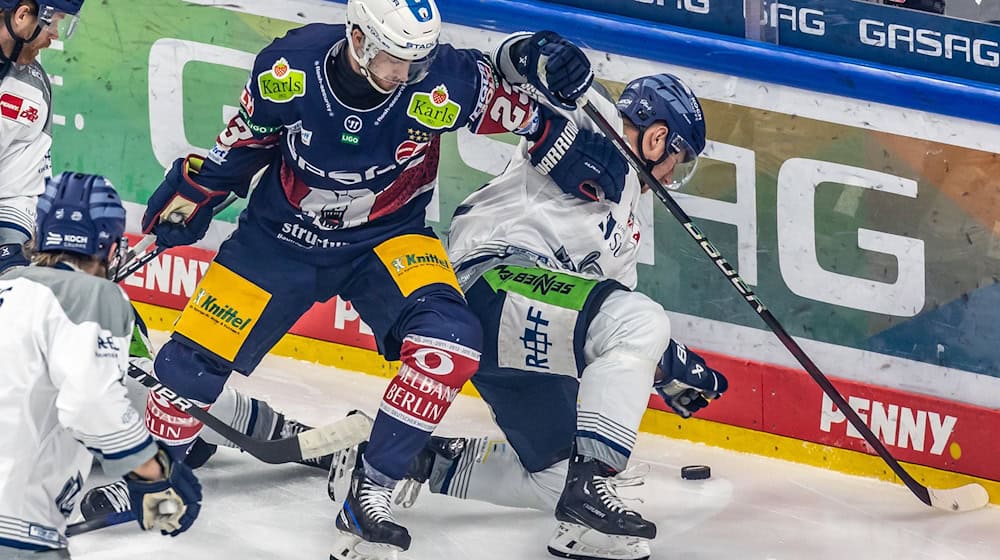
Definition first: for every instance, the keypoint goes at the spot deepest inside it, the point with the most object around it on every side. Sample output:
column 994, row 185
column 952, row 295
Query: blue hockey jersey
column 337, row 175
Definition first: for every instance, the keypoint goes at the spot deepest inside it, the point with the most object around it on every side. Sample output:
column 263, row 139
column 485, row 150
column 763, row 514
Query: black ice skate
column 290, row 428
column 368, row 530
column 593, row 521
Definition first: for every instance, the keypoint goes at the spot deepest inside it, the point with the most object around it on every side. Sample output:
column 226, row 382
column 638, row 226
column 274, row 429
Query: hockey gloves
column 554, row 66
column 582, row 162
column 687, row 384
column 170, row 505
column 180, row 210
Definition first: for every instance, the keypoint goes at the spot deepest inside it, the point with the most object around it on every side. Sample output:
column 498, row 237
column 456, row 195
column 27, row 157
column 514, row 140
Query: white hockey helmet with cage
column 401, row 38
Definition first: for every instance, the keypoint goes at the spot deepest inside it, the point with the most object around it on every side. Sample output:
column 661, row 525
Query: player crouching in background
column 64, row 336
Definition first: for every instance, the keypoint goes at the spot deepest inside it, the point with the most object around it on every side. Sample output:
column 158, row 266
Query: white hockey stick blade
column 964, row 498
column 341, row 435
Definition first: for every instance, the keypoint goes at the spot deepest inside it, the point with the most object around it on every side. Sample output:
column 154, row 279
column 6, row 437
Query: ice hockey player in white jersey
column 26, row 114
column 64, row 336
column 571, row 353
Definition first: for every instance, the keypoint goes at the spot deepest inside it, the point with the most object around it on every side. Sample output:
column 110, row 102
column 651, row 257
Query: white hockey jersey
column 64, row 340
column 25, row 141
column 522, row 212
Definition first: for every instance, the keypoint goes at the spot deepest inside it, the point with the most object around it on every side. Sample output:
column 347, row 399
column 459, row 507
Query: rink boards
column 871, row 229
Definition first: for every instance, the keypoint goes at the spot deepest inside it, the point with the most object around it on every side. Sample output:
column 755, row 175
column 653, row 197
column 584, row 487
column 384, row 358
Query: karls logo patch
column 18, row 109
column 434, row 110
column 281, row 83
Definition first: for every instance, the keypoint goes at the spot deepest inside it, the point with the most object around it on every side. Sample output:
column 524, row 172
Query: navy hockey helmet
column 664, row 97
column 80, row 214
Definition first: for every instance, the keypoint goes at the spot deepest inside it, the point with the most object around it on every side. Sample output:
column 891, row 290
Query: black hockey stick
column 316, row 442
column 965, row 498
column 138, row 256
column 310, row 444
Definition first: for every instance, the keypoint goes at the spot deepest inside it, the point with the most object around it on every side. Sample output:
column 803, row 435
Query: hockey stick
column 965, row 498
column 310, row 444
column 317, row 442
column 138, row 256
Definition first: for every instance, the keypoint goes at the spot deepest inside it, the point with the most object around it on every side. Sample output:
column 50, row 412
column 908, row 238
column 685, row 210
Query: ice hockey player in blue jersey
column 64, row 334
column 347, row 121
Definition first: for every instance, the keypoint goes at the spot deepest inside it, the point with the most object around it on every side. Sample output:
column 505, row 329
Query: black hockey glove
column 170, row 505
column 688, row 384
column 180, row 210
column 554, row 66
column 583, row 163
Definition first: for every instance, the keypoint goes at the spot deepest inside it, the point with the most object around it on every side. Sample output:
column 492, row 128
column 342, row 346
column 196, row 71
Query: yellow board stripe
column 656, row 422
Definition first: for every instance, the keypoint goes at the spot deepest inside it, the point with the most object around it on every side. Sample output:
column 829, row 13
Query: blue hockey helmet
column 80, row 214
column 665, row 98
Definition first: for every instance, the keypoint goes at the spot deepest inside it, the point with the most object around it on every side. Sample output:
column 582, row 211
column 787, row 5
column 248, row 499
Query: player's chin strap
column 7, row 62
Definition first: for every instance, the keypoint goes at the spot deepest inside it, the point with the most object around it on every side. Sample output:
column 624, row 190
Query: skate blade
column 352, row 547
column 583, row 543
column 339, row 479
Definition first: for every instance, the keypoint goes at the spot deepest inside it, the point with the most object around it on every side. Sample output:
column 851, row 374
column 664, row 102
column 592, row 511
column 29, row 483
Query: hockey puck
column 696, row 472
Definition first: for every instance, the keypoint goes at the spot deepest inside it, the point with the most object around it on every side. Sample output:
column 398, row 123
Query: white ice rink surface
column 753, row 508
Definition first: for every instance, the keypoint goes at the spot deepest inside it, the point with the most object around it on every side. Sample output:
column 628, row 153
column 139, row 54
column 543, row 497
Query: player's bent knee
column 633, row 323
column 188, row 374
column 442, row 313
column 192, row 374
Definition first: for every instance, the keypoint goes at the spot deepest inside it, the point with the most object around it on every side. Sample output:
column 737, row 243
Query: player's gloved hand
column 583, row 163
column 170, row 505
column 180, row 210
column 688, row 384
column 554, row 66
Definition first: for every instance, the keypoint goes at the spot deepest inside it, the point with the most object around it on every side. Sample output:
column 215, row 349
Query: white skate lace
column 375, row 501
column 605, row 488
column 117, row 495
column 634, row 475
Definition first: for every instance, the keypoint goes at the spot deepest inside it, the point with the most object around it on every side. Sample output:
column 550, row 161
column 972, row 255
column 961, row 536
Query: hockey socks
column 432, row 373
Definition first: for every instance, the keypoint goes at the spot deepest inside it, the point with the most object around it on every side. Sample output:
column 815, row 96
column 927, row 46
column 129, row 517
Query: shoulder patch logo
column 18, row 109
column 434, row 110
column 281, row 83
